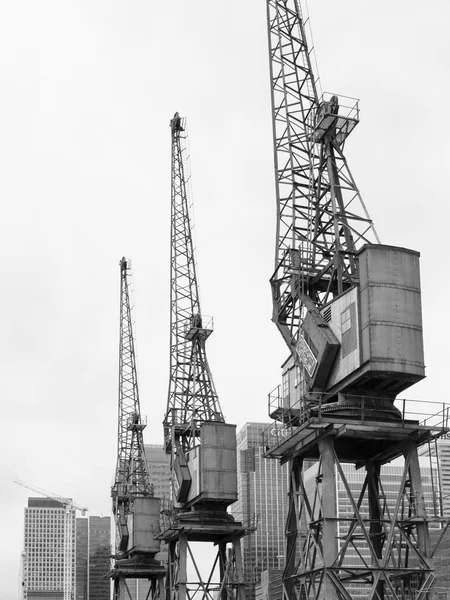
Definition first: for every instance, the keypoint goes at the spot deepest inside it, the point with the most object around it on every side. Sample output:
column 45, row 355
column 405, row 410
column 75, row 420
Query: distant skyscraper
column 159, row 468
column 262, row 491
column 81, row 561
column 437, row 454
column 43, row 556
column 99, row 558
column 93, row 562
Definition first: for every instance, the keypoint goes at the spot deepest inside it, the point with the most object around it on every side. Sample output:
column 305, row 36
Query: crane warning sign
column 306, row 355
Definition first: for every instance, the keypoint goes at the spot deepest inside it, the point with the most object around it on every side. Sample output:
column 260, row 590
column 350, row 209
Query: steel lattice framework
column 322, row 224
column 192, row 396
column 132, row 477
column 194, row 426
column 321, row 218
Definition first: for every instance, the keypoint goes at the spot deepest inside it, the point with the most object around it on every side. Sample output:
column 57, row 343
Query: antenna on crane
column 136, row 510
column 69, row 516
column 201, row 445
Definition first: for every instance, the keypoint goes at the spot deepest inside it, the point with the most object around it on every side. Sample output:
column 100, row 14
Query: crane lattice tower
column 349, row 311
column 136, row 510
column 202, row 446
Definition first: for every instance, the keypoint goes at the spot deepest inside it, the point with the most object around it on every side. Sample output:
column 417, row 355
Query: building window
column 346, row 321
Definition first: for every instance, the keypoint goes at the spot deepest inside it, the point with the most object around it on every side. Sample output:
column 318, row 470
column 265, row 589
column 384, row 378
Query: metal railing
column 288, row 417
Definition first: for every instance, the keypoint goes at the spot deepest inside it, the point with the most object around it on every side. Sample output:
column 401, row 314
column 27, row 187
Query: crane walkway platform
column 356, row 440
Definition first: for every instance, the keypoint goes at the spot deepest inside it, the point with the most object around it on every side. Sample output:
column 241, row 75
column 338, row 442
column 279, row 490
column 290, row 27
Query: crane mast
column 136, row 510
column 201, row 444
column 132, row 478
column 349, row 310
column 192, row 395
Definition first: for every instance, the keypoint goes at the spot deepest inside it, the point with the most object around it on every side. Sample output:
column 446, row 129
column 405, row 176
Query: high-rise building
column 262, row 493
column 45, row 546
column 99, row 558
column 93, row 559
column 159, row 468
column 437, row 454
column 81, row 560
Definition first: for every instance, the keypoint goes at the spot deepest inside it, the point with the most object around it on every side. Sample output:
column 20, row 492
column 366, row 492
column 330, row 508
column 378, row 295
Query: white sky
column 87, row 91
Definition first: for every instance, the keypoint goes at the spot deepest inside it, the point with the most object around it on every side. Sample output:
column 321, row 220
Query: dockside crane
column 202, row 446
column 349, row 310
column 69, row 526
column 136, row 510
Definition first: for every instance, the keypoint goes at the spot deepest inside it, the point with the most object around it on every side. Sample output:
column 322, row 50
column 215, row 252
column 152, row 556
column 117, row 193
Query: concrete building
column 93, row 546
column 44, row 547
column 262, row 492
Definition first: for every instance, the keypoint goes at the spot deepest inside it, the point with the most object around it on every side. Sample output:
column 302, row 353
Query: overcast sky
column 88, row 88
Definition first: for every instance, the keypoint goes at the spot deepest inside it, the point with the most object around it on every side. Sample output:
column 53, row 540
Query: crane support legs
column 207, row 567
column 127, row 591
column 348, row 535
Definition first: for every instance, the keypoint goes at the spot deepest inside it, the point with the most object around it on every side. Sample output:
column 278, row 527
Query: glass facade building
column 437, row 454
column 93, row 558
column 262, row 493
column 81, row 558
column 44, row 550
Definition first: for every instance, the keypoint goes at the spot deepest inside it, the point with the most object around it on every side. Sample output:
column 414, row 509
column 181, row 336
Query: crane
column 69, row 516
column 202, row 446
column 136, row 510
column 348, row 309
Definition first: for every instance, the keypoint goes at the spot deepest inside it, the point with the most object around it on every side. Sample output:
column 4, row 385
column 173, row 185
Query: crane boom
column 192, row 395
column 201, row 445
column 64, row 501
column 136, row 510
column 132, row 478
column 321, row 218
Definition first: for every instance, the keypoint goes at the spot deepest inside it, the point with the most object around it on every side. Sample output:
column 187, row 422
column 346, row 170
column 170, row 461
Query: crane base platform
column 204, row 526
column 357, row 440
column 131, row 569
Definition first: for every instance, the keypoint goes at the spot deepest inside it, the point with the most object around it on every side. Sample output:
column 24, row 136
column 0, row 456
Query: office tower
column 81, row 558
column 93, row 558
column 437, row 454
column 159, row 468
column 262, row 492
column 48, row 575
column 99, row 558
